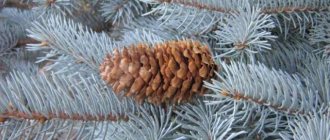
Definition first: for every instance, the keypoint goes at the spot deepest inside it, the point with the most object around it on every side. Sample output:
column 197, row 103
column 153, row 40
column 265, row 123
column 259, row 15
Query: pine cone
column 171, row 72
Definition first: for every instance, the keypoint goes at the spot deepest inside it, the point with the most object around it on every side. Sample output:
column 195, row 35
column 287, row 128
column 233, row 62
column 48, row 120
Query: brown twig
column 17, row 4
column 13, row 114
column 267, row 10
column 239, row 96
column 197, row 5
column 24, row 41
column 22, row 5
column 293, row 9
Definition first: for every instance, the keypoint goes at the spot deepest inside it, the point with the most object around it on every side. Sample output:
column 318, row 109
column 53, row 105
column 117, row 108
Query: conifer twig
column 17, row 4
column 198, row 5
column 286, row 9
column 239, row 96
column 289, row 9
column 42, row 118
column 25, row 41
column 275, row 89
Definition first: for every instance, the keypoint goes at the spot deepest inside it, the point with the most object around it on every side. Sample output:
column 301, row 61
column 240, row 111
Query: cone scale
column 170, row 72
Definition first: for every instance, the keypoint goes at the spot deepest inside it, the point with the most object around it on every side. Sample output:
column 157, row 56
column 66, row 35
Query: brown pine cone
column 171, row 72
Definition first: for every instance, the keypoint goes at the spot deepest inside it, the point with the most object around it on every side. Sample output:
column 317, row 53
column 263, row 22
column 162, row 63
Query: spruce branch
column 63, row 64
column 266, row 87
column 293, row 15
column 246, row 31
column 263, row 123
column 19, row 60
column 13, row 23
column 268, row 7
column 87, row 13
column 312, row 126
column 142, row 29
column 19, row 19
column 72, row 39
column 192, row 22
column 42, row 5
column 149, row 30
column 213, row 5
column 56, row 6
column 13, row 114
column 316, row 71
column 320, row 32
column 272, row 95
column 286, row 54
column 8, row 40
column 201, row 121
column 16, row 4
column 259, row 122
column 137, row 36
column 54, row 99
column 152, row 123
column 80, row 11
column 54, row 129
column 287, row 15
column 122, row 11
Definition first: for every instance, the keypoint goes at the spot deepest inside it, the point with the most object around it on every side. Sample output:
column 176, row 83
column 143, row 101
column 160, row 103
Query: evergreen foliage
column 273, row 80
